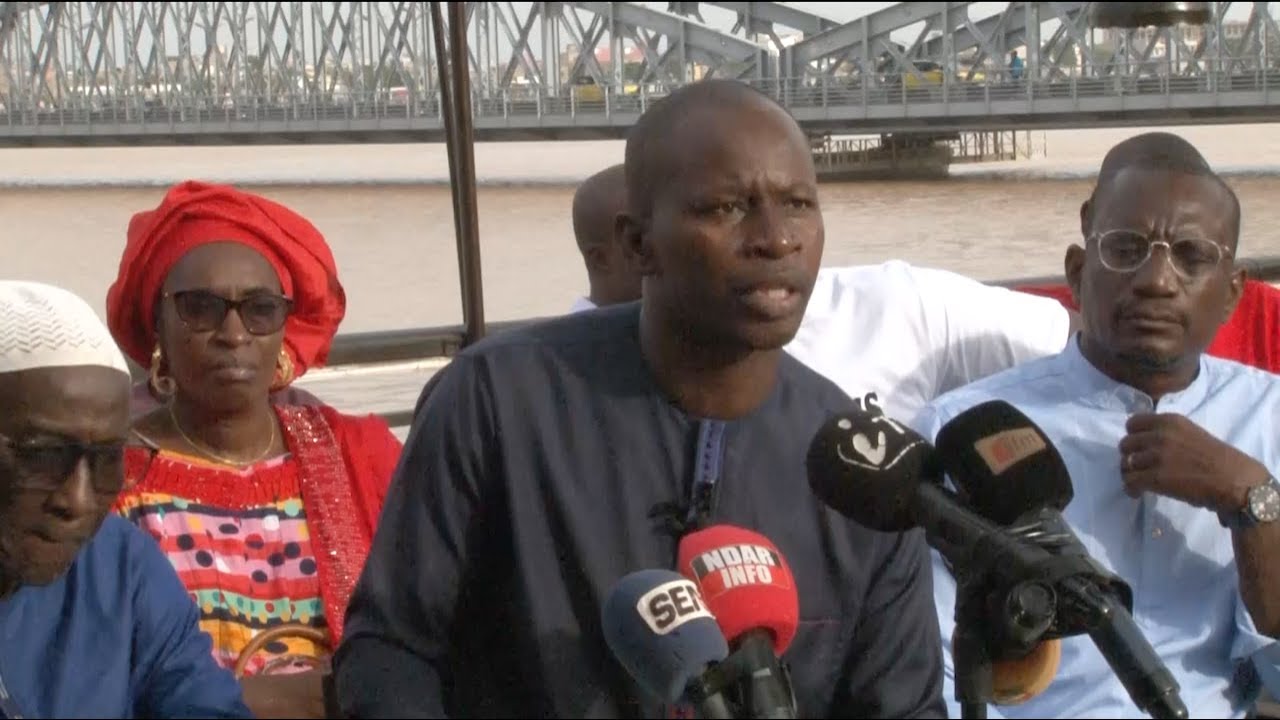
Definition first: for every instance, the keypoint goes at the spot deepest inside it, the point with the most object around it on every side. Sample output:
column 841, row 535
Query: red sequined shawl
column 344, row 467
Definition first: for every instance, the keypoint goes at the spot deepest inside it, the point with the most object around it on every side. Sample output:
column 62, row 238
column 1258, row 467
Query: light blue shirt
column 1177, row 558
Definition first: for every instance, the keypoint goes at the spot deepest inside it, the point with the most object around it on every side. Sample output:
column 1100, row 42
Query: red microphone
column 748, row 587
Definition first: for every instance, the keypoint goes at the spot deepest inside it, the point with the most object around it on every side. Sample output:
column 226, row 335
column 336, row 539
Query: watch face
column 1264, row 503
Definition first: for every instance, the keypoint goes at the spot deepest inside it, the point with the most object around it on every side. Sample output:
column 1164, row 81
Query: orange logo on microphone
column 1005, row 449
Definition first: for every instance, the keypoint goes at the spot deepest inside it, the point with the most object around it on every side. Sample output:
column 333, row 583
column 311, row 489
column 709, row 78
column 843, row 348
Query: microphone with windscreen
column 1009, row 471
column 749, row 588
column 884, row 476
column 659, row 628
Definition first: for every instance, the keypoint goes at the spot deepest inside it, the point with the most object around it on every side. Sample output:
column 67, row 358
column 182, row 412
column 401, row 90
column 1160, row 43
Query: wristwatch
column 1262, row 506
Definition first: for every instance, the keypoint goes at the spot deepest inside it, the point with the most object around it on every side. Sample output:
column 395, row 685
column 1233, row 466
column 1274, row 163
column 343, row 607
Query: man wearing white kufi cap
column 93, row 620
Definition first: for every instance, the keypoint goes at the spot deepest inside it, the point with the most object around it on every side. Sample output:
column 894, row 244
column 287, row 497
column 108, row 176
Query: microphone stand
column 1013, row 605
column 973, row 668
column 769, row 693
column 751, row 684
column 1025, row 613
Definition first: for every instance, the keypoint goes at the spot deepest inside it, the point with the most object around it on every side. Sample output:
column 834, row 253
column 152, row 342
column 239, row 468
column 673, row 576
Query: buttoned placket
column 1153, row 524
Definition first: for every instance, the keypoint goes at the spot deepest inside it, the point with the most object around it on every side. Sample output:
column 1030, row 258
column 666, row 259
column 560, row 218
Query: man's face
column 1157, row 311
column 735, row 235
column 62, row 433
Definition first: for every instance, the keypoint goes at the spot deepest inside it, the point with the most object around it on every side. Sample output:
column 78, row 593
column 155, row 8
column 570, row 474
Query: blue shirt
column 114, row 637
column 1177, row 558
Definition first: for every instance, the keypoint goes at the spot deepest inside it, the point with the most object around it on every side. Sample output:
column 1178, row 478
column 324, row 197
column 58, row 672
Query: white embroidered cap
column 45, row 326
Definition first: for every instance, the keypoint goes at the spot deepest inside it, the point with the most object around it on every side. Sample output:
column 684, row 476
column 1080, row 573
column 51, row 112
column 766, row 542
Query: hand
column 1169, row 455
column 295, row 695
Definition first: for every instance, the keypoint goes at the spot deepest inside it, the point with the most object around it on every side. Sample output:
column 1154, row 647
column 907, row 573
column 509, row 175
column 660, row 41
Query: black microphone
column 1008, row 470
column 882, row 475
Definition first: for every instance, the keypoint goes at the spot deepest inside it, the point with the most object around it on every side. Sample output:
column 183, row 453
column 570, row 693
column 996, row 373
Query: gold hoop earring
column 163, row 386
column 284, row 371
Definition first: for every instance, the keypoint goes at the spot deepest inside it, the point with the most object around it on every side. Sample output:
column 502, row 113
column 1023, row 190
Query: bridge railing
column 137, row 106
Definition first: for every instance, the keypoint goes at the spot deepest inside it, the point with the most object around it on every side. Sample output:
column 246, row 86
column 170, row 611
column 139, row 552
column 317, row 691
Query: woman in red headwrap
column 267, row 510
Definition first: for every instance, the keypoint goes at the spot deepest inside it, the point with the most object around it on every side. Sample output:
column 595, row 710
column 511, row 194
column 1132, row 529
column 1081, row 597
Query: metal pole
column 455, row 91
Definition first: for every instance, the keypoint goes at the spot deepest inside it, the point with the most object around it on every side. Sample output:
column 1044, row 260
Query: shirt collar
column 1096, row 389
column 582, row 304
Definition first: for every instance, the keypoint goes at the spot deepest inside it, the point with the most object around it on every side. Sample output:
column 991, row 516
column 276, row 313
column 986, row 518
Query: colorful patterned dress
column 240, row 543
column 281, row 541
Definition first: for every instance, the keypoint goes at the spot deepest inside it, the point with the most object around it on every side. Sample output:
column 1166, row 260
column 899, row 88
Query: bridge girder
column 695, row 40
column 762, row 18
column 993, row 36
column 856, row 38
column 865, row 45
column 185, row 53
column 60, row 53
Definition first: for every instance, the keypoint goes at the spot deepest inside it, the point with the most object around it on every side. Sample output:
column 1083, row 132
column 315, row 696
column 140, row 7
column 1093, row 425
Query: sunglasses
column 45, row 466
column 204, row 311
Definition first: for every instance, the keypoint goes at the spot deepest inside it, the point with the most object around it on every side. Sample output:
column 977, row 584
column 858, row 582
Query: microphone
column 662, row 633
column 1010, row 472
column 883, row 475
column 750, row 590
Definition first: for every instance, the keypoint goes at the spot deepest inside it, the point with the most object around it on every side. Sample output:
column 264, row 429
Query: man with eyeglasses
column 93, row 619
column 1172, row 453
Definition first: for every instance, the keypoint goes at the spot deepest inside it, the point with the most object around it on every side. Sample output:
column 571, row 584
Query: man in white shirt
column 596, row 204
column 897, row 336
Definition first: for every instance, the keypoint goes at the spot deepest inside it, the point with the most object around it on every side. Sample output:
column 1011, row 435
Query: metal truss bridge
column 130, row 73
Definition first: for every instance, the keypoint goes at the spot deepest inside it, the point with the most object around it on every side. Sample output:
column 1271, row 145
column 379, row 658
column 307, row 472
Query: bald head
column 596, row 204
column 676, row 125
column 1153, row 150
column 1160, row 152
column 722, row 201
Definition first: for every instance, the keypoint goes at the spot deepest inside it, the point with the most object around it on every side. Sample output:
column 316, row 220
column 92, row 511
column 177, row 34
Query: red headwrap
column 194, row 214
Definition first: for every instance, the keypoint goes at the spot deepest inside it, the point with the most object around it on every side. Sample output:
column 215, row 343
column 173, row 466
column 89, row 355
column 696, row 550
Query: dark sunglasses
column 204, row 311
column 45, row 466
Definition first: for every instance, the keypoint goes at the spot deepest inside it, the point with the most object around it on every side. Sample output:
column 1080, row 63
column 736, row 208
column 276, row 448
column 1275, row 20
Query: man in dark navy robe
column 538, row 457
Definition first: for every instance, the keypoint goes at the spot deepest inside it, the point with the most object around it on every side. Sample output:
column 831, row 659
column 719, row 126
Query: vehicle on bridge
column 927, row 74
column 587, row 90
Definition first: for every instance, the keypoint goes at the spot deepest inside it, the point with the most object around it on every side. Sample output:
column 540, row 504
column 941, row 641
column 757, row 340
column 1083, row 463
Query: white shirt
column 581, row 304
column 905, row 335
